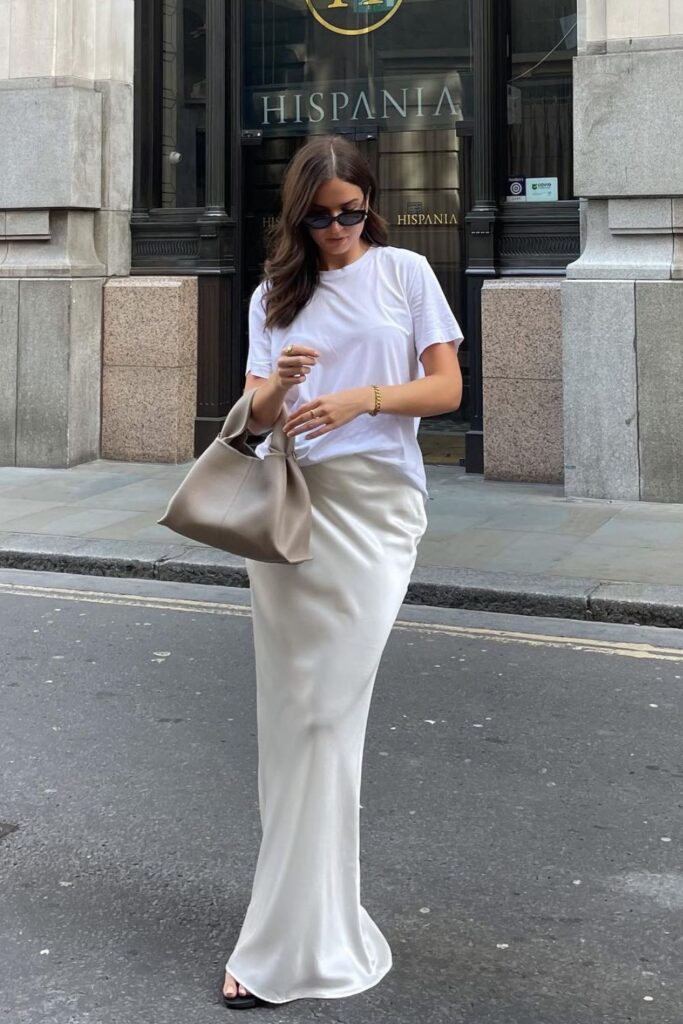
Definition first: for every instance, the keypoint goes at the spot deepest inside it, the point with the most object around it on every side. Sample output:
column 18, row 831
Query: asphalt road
column 522, row 831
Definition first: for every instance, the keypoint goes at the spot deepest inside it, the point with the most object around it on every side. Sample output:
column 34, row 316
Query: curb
column 512, row 593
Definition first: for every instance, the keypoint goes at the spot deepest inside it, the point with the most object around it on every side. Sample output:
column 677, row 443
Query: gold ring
column 289, row 349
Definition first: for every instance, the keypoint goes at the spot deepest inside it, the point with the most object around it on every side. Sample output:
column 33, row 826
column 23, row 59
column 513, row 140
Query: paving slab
column 618, row 563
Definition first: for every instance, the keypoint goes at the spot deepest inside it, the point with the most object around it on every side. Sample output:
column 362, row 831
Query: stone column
column 623, row 298
column 66, row 121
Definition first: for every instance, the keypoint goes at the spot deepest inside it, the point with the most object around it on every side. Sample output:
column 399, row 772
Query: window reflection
column 183, row 103
column 421, row 197
column 542, row 44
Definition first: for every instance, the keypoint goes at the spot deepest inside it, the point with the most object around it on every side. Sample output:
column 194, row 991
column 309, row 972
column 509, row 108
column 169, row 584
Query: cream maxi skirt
column 319, row 632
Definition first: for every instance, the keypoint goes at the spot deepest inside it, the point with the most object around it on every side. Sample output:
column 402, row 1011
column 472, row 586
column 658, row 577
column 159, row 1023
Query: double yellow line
column 584, row 645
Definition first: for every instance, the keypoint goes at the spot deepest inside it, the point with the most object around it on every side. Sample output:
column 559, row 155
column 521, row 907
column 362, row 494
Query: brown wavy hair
column 291, row 270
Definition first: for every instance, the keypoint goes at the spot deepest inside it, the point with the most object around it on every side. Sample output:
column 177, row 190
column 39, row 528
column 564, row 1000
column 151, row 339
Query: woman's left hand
column 330, row 412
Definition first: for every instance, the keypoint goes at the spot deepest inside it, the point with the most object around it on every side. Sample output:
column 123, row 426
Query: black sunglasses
column 347, row 218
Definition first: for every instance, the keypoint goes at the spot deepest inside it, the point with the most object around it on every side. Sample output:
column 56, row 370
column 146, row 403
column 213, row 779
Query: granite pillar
column 522, row 373
column 659, row 332
column 58, row 385
column 601, row 438
column 9, row 322
column 149, row 388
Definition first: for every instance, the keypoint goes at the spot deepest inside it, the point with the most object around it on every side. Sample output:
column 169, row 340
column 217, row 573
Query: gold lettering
column 426, row 219
column 337, row 3
column 370, row 3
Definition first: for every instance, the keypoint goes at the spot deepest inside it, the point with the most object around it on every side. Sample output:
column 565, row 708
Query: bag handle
column 235, row 426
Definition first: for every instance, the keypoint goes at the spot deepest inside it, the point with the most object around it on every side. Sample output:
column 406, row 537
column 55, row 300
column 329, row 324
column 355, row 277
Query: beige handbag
column 233, row 500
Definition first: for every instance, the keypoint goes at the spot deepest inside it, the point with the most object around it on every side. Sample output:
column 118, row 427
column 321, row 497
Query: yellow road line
column 129, row 600
column 621, row 648
column 95, row 595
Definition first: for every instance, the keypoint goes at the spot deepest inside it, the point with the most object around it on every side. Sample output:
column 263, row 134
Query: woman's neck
column 337, row 262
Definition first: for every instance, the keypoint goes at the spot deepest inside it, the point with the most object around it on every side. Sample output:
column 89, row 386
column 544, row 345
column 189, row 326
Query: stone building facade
column 623, row 299
column 135, row 349
column 66, row 160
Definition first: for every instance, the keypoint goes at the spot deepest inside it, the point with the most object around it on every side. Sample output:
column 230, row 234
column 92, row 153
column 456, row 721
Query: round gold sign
column 356, row 5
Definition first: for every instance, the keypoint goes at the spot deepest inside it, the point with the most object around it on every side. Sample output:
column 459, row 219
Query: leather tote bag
column 233, row 500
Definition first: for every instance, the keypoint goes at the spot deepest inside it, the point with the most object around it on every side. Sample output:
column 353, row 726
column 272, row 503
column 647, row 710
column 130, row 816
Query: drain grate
column 6, row 827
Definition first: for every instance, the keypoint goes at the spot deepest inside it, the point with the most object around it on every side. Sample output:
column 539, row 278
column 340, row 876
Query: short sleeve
column 259, row 360
column 433, row 319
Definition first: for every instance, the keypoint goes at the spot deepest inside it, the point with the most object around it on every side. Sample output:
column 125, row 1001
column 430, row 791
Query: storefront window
column 183, row 103
column 539, row 100
column 330, row 65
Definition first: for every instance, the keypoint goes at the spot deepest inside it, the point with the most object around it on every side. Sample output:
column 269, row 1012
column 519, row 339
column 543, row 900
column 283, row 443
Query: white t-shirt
column 370, row 321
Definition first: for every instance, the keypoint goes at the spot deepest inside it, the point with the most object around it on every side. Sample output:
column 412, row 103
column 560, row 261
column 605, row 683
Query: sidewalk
column 520, row 548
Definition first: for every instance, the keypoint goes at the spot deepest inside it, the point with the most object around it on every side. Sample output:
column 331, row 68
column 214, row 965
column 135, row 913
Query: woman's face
column 334, row 197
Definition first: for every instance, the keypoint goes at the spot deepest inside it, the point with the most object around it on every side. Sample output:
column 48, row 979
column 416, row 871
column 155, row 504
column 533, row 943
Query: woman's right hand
column 294, row 367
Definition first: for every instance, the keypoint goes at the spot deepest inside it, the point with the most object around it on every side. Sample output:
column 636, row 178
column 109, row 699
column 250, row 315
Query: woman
column 355, row 340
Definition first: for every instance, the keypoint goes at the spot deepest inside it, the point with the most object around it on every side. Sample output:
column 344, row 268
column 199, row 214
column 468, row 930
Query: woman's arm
column 271, row 391
column 439, row 391
column 267, row 402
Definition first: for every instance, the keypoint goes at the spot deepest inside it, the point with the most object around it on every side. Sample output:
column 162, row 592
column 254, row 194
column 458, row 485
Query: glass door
column 395, row 76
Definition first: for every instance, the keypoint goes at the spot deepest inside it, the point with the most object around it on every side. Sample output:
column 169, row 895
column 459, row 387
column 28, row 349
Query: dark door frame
column 204, row 243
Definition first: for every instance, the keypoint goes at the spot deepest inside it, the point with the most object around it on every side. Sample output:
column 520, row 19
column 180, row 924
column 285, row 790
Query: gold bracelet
column 378, row 400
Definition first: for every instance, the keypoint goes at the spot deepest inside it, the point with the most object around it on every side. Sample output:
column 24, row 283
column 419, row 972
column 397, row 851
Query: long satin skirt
column 319, row 632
